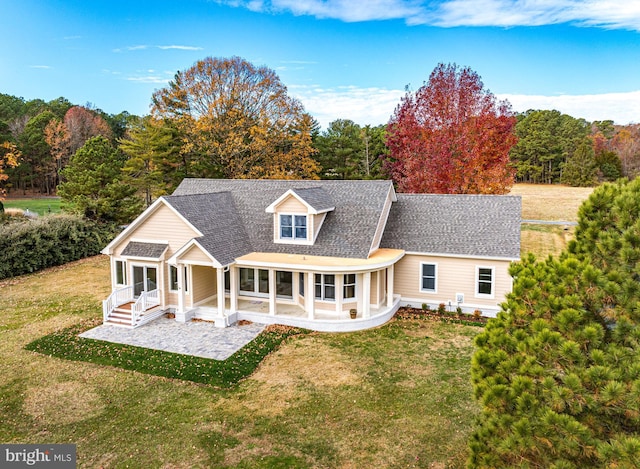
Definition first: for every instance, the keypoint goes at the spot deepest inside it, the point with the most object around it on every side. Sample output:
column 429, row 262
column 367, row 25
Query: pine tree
column 558, row 371
column 94, row 187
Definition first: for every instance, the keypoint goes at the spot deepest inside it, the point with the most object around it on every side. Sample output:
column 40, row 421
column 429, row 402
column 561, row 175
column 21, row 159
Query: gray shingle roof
column 216, row 217
column 473, row 225
column 316, row 197
column 147, row 250
column 347, row 231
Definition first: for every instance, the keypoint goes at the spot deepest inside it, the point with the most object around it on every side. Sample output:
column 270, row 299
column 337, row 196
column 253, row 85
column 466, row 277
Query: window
column 254, row 281
column 293, row 227
column 300, row 226
column 349, row 287
column 121, row 273
column 227, row 280
column 301, row 283
column 284, row 283
column 173, row 278
column 428, row 278
column 325, row 287
column 485, row 281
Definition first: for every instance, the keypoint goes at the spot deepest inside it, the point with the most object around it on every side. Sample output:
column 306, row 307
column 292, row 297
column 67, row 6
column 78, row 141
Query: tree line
column 227, row 118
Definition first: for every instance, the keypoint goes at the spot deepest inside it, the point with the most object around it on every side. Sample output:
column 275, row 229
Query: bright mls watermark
column 37, row 456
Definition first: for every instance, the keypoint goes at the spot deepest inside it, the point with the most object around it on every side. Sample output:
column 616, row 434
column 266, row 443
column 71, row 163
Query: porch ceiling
column 379, row 259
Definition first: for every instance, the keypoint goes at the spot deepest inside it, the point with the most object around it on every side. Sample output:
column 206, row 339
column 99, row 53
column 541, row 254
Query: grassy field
column 396, row 396
column 40, row 205
column 548, row 202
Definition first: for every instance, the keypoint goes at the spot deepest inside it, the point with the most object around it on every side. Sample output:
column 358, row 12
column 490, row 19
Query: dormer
column 298, row 215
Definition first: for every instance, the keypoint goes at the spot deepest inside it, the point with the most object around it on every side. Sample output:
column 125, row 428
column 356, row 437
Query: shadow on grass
column 219, row 373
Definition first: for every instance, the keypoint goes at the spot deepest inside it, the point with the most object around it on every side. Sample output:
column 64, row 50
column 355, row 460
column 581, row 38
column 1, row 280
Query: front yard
column 396, row 396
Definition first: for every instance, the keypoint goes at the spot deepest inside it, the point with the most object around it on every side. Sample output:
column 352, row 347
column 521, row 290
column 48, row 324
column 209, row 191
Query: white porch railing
column 146, row 300
column 117, row 298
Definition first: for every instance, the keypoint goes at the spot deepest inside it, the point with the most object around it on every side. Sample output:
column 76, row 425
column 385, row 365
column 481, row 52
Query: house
column 306, row 253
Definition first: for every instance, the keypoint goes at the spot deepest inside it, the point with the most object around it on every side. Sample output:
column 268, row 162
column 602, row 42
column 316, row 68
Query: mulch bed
column 406, row 312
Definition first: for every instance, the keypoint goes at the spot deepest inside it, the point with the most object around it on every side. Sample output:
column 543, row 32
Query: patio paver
column 197, row 338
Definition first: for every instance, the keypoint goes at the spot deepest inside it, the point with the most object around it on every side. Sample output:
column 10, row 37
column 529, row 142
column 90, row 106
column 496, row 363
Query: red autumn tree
column 451, row 137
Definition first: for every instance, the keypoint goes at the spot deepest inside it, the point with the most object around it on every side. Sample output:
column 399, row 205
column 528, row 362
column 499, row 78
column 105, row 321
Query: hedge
column 32, row 245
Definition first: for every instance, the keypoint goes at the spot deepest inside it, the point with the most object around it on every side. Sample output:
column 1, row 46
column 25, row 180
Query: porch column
column 233, row 289
column 339, row 292
column 220, row 291
column 181, row 297
column 366, row 295
column 272, row 292
column 309, row 295
column 390, row 286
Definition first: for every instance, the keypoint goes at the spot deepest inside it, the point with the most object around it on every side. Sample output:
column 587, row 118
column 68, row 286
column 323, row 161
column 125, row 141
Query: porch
column 290, row 314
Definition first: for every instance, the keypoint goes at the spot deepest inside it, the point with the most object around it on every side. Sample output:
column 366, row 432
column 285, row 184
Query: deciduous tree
column 9, row 155
column 451, row 136
column 237, row 121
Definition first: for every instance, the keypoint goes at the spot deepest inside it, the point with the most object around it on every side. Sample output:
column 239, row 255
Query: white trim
column 422, row 290
column 322, row 268
column 272, row 208
column 477, row 294
column 463, row 256
column 192, row 242
column 108, row 249
column 293, row 240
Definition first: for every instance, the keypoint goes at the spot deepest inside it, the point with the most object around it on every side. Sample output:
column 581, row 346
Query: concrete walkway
column 198, row 338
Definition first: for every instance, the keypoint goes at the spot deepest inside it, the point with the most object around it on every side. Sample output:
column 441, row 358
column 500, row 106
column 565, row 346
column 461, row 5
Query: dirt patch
column 63, row 403
column 299, row 363
column 286, row 376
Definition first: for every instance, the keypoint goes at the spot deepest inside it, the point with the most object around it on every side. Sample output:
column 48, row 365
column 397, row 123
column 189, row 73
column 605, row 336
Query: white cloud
column 179, row 47
column 43, row 67
column 144, row 47
column 364, row 106
column 375, row 106
column 148, row 79
column 622, row 108
column 450, row 13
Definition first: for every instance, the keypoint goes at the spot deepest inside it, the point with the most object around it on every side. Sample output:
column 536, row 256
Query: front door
column 144, row 279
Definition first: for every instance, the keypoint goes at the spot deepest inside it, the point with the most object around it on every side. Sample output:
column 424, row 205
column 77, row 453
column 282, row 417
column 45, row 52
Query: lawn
column 40, row 205
column 395, row 396
column 553, row 203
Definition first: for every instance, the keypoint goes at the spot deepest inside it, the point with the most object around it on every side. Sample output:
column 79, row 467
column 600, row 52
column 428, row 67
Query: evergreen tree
column 558, row 371
column 151, row 147
column 581, row 168
column 94, row 185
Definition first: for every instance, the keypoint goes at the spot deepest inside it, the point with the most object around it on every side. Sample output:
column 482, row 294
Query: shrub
column 425, row 306
column 442, row 308
column 32, row 245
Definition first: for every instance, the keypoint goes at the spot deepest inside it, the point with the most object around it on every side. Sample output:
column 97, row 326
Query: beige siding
column 203, row 281
column 195, row 254
column 373, row 293
column 317, row 223
column 162, row 225
column 454, row 275
column 291, row 205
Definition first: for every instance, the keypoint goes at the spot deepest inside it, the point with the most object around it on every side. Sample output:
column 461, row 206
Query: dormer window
column 298, row 215
column 293, row 227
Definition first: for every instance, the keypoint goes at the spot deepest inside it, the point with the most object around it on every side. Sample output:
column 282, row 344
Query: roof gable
column 315, row 199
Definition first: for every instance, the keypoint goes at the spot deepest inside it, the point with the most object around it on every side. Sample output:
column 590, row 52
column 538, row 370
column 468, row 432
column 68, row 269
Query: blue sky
column 349, row 59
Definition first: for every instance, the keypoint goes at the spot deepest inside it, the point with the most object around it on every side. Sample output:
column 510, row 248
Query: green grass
column 40, row 205
column 394, row 397
column 68, row 345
